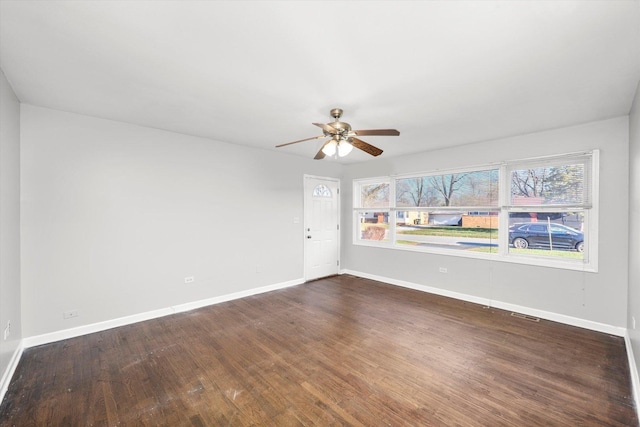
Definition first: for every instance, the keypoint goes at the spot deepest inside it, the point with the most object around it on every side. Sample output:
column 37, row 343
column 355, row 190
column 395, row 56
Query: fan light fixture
column 342, row 146
column 330, row 148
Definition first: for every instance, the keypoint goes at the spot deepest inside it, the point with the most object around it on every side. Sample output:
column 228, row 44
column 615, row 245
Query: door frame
column 304, row 220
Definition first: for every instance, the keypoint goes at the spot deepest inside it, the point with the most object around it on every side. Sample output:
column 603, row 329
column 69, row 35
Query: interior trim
column 633, row 368
column 11, row 369
column 555, row 317
column 141, row 317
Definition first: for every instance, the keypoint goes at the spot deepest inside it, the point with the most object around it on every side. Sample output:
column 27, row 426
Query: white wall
column 9, row 226
column 594, row 297
column 115, row 216
column 634, row 232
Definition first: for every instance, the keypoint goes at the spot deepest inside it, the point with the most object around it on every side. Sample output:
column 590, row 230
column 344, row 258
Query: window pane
column 477, row 231
column 374, row 195
column 322, row 191
column 478, row 188
column 552, row 185
column 551, row 234
column 374, row 226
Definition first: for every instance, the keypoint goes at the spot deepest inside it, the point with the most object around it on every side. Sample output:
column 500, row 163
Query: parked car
column 537, row 234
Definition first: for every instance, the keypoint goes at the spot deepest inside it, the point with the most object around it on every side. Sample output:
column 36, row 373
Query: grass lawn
column 483, row 233
column 407, row 242
column 548, row 253
column 486, row 233
column 536, row 252
column 485, row 249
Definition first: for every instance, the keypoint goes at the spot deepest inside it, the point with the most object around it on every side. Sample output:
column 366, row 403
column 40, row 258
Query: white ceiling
column 258, row 73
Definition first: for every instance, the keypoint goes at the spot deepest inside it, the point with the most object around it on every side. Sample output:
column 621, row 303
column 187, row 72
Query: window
column 474, row 188
column 374, row 195
column 549, row 202
column 535, row 211
column 372, row 213
column 374, row 226
column 438, row 211
column 322, row 191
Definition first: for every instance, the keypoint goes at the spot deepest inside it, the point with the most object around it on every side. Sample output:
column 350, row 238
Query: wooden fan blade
column 300, row 140
column 371, row 132
column 367, row 148
column 327, row 128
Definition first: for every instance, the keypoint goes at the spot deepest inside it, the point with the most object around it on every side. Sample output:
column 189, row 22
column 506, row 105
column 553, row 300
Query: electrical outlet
column 443, row 270
column 189, row 279
column 633, row 322
column 70, row 314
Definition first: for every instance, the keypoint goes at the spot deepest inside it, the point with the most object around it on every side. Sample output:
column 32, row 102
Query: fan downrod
column 336, row 113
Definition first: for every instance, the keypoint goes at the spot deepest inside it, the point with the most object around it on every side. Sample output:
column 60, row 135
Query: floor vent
column 525, row 317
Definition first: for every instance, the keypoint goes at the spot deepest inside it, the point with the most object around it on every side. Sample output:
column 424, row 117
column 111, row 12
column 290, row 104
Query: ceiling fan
column 343, row 139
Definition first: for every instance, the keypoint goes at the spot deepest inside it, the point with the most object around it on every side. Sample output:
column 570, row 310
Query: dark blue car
column 538, row 235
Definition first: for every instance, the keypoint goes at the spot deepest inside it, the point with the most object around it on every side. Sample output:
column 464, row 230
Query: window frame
column 357, row 201
column 588, row 263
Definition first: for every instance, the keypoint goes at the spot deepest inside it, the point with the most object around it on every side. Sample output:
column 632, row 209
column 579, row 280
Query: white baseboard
column 11, row 369
column 141, row 317
column 555, row 317
column 423, row 288
column 561, row 318
column 633, row 368
column 236, row 295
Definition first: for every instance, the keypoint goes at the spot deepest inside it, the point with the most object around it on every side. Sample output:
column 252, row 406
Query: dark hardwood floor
column 338, row 351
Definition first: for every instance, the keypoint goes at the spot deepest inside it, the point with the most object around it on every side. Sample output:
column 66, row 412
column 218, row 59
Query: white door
column 321, row 226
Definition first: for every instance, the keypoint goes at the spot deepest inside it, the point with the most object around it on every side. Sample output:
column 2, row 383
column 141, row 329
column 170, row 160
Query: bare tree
column 479, row 188
column 415, row 192
column 529, row 182
column 560, row 183
column 376, row 195
column 447, row 185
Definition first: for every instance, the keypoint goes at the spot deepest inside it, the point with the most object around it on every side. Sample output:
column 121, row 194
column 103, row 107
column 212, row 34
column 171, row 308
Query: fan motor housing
column 341, row 127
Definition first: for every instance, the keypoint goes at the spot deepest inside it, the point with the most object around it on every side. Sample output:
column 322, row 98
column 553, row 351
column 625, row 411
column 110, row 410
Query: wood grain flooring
column 338, row 351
